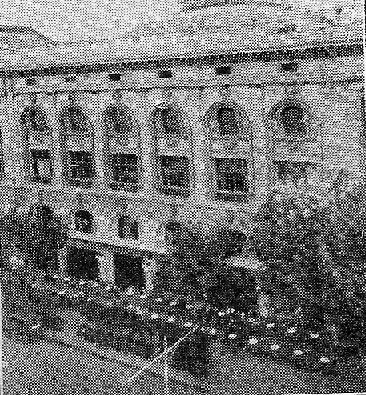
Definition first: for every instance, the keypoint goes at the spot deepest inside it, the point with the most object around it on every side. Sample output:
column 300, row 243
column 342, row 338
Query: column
column 146, row 145
column 150, row 268
column 53, row 113
column 106, row 267
column 13, row 149
column 199, row 148
column 94, row 114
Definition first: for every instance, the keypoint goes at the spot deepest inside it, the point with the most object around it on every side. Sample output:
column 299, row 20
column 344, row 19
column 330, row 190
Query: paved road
column 52, row 369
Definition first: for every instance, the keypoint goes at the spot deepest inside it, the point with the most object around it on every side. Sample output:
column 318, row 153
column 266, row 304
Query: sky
column 75, row 20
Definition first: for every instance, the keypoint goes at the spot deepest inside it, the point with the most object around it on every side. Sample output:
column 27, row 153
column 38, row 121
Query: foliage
column 314, row 241
column 197, row 264
column 35, row 232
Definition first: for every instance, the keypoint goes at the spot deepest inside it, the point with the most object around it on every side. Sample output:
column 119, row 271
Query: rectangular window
column 223, row 70
column 165, row 74
column 293, row 172
column 80, row 168
column 232, row 179
column 174, row 175
column 41, row 166
column 128, row 228
column 125, row 172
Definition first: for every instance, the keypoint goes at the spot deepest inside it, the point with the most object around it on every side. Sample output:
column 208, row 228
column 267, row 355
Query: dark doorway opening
column 82, row 264
column 129, row 271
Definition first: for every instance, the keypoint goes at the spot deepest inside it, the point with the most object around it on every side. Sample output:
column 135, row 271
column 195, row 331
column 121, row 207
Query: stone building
column 194, row 118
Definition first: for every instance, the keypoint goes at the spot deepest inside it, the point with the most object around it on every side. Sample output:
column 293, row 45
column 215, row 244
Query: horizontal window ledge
column 120, row 186
column 232, row 197
column 41, row 180
column 170, row 191
column 80, row 182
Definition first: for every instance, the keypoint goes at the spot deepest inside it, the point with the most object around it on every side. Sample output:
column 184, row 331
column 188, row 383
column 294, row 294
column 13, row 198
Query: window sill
column 175, row 192
column 117, row 186
column 81, row 183
column 232, row 197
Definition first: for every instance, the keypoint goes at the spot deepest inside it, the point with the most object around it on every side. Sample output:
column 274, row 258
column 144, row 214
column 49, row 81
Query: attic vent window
column 291, row 66
column 114, row 77
column 31, row 81
column 70, row 78
column 165, row 74
column 223, row 70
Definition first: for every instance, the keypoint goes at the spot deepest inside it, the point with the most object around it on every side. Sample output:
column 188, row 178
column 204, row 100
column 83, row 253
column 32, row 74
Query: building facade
column 193, row 120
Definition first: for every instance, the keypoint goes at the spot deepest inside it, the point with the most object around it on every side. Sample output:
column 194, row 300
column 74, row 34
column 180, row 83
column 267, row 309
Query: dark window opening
column 223, row 70
column 114, row 77
column 129, row 271
column 165, row 74
column 117, row 122
column 82, row 264
column 232, row 179
column 292, row 119
column 294, row 172
column 169, row 122
column 35, row 121
column 41, row 166
column 80, row 168
column 226, row 118
column 74, row 121
column 125, row 172
column 174, row 175
column 70, row 78
column 31, row 81
column 292, row 66
column 127, row 228
column 83, row 221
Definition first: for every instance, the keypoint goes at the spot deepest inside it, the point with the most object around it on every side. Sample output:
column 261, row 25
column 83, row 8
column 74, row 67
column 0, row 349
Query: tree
column 35, row 233
column 197, row 261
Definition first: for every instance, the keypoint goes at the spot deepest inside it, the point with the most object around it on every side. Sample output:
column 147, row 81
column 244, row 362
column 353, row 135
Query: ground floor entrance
column 128, row 271
column 82, row 264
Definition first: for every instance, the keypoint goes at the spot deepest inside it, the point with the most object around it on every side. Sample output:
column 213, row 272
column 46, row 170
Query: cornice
column 319, row 51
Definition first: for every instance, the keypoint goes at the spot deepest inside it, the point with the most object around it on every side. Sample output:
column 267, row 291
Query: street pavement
column 52, row 369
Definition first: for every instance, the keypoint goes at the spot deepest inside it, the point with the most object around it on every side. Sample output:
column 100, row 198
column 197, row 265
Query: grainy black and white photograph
column 183, row 197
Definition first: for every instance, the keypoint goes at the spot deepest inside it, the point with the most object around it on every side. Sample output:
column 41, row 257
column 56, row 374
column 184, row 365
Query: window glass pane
column 127, row 228
column 169, row 121
column 294, row 172
column 125, row 168
column 41, row 165
column 226, row 118
column 81, row 165
column 175, row 172
column 292, row 118
column 83, row 221
column 232, row 175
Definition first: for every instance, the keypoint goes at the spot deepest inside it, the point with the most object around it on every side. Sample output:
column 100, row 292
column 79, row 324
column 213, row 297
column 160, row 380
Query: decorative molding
column 314, row 52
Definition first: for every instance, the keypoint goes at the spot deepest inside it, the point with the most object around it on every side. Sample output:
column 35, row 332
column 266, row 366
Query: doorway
column 82, row 264
column 128, row 271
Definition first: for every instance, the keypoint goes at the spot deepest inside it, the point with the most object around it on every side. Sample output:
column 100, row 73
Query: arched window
column 74, row 121
column 39, row 141
column 83, row 221
column 123, row 163
column 292, row 120
column 127, row 228
column 227, row 121
column 168, row 121
column 79, row 146
column 35, row 123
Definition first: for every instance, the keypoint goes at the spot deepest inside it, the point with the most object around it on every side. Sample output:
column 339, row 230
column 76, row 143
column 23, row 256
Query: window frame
column 79, row 181
column 135, row 168
column 89, row 225
column 172, row 190
column 130, row 230
column 231, row 195
column 43, row 154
